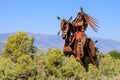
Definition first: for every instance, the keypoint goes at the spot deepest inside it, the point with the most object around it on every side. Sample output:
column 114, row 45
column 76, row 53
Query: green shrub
column 16, row 63
column 114, row 54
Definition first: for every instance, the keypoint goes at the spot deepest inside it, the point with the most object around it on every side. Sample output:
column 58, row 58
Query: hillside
column 1, row 46
column 54, row 41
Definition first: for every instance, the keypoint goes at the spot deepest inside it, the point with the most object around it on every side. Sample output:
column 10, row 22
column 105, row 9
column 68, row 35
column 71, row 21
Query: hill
column 54, row 41
column 1, row 46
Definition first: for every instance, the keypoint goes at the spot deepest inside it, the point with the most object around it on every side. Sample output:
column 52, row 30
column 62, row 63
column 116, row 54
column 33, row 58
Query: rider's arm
column 73, row 38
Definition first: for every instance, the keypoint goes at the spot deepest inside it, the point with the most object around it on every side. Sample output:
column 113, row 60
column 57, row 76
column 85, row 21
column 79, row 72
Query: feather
column 91, row 21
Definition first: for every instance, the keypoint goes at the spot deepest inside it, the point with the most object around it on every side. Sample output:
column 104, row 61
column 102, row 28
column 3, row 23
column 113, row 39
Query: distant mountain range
column 44, row 42
column 1, row 46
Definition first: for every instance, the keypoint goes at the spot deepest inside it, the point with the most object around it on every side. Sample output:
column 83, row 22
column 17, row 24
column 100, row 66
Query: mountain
column 47, row 41
column 106, row 45
column 54, row 41
column 1, row 46
column 4, row 36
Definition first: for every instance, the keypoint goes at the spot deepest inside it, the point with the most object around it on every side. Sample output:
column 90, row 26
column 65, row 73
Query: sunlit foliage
column 16, row 63
column 115, row 54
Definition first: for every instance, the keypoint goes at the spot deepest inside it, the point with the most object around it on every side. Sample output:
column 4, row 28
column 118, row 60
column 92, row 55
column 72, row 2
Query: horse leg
column 92, row 48
column 86, row 60
column 92, row 53
column 77, row 53
column 67, row 50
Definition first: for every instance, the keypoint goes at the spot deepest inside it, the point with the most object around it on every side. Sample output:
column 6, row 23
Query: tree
column 18, row 44
column 114, row 54
column 16, row 62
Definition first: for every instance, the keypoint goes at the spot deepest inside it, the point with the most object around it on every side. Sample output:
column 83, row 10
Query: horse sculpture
column 66, row 35
column 71, row 47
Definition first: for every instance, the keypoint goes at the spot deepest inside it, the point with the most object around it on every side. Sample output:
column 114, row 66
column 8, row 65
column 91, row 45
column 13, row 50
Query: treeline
column 20, row 61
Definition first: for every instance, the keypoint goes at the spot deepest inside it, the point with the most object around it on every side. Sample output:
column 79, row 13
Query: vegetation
column 18, row 63
column 114, row 54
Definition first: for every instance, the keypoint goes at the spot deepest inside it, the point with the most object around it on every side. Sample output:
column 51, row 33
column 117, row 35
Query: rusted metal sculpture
column 76, row 42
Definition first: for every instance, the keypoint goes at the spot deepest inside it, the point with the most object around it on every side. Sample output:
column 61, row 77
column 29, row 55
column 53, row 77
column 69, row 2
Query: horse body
column 88, row 55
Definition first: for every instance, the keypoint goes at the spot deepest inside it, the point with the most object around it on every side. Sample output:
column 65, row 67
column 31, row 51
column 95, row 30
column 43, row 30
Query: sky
column 40, row 16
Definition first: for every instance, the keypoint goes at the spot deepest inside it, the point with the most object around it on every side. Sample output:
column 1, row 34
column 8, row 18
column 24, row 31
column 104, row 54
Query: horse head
column 65, row 27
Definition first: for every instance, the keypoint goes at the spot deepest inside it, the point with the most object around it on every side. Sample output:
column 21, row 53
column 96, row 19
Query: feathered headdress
column 92, row 22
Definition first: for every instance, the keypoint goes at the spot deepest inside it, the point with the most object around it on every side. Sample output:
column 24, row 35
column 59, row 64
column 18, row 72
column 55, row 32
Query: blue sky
column 40, row 16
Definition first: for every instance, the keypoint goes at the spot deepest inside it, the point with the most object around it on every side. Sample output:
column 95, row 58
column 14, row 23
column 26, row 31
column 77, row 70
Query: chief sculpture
column 76, row 41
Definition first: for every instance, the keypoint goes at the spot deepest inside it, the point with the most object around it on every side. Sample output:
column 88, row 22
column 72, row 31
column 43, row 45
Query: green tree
column 16, row 62
column 18, row 44
column 114, row 54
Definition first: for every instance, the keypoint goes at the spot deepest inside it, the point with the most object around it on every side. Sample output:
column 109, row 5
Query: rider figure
column 80, row 26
